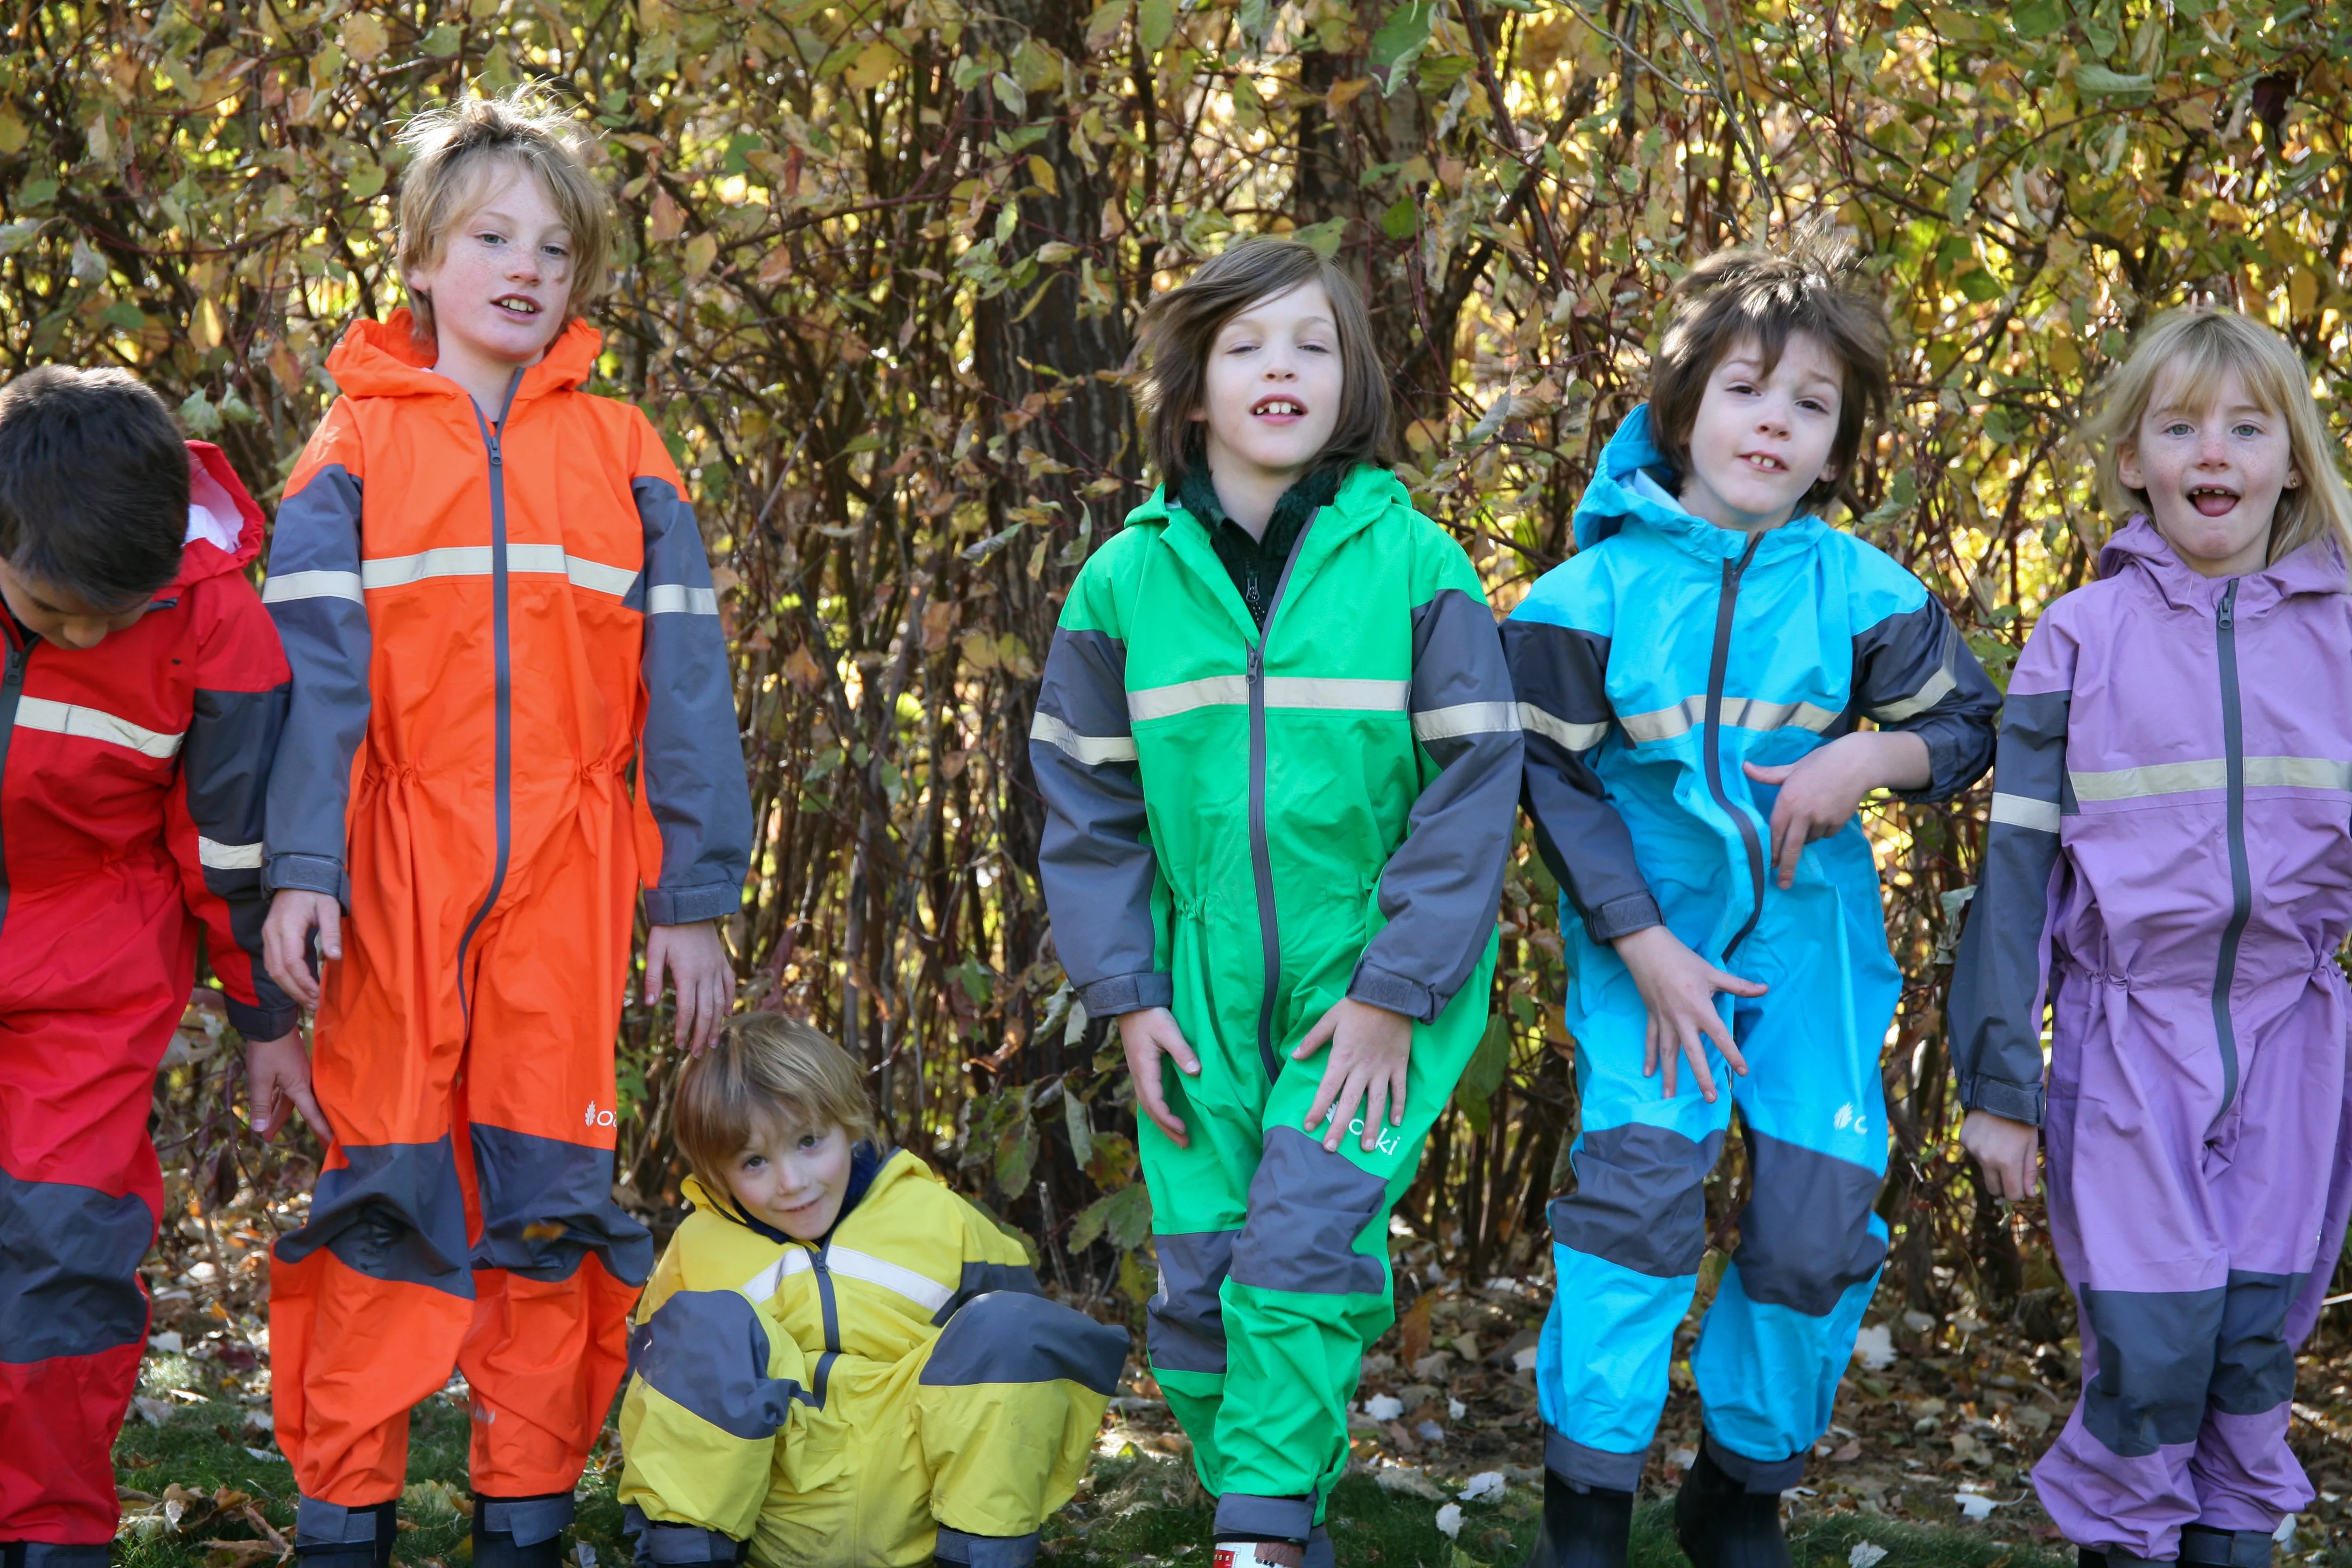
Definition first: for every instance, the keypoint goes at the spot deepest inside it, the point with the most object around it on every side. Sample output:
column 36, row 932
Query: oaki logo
column 596, row 1118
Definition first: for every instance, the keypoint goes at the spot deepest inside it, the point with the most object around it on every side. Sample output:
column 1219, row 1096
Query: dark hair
column 1171, row 352
column 1751, row 294
column 93, row 485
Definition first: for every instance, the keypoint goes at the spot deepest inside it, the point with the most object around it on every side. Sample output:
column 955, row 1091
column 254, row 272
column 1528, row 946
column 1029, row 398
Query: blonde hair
column 767, row 1072
column 2198, row 347
column 452, row 147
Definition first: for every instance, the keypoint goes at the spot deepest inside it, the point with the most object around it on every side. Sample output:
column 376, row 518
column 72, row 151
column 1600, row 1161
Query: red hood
column 383, row 359
column 217, row 504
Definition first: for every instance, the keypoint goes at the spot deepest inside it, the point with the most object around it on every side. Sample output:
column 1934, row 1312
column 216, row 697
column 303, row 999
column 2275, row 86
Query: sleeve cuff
column 312, row 874
column 661, row 1544
column 2016, row 1101
column 1949, row 761
column 1380, row 987
column 1126, row 994
column 262, row 1022
column 684, row 906
column 1624, row 916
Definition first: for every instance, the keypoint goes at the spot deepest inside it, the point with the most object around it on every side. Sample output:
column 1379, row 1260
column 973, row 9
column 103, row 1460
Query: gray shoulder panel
column 1011, row 1337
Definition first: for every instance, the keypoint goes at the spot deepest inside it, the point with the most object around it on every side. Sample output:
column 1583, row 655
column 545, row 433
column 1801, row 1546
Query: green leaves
column 2097, row 79
column 1399, row 42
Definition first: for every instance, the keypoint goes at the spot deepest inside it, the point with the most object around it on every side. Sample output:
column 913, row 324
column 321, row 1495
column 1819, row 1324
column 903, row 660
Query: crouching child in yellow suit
column 839, row 1360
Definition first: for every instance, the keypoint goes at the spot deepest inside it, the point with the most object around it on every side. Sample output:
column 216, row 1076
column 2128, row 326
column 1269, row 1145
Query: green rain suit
column 1246, row 829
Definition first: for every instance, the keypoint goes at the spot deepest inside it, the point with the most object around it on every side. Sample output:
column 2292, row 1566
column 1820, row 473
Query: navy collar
column 866, row 1163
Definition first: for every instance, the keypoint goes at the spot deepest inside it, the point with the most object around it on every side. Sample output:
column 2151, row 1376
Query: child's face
column 1270, row 397
column 793, row 1177
column 56, row 616
column 1760, row 441
column 2213, row 470
column 502, row 286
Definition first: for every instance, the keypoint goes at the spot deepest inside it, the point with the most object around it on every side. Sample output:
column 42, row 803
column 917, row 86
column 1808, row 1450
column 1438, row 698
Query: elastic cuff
column 684, row 906
column 1592, row 1469
column 50, row 1554
column 327, row 1526
column 1126, row 994
column 257, row 1023
column 1385, row 988
column 986, row 1550
column 312, row 874
column 1622, row 917
column 2018, row 1101
column 2209, row 1547
column 1243, row 1517
column 1759, row 1477
column 529, row 1520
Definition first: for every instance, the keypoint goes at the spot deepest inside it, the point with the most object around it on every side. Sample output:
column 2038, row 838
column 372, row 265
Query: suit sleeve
column 1443, row 886
column 214, row 822
column 1095, row 857
column 1561, row 671
column 313, row 594
column 690, row 755
column 1914, row 671
column 2000, row 979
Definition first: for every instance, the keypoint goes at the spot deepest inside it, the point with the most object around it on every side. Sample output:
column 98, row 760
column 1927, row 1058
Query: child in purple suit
column 2169, row 867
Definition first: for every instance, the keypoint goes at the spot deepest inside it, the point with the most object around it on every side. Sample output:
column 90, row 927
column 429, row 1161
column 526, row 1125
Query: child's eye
column 2177, row 427
column 753, row 1161
column 2246, row 431
column 1812, row 405
column 811, row 1141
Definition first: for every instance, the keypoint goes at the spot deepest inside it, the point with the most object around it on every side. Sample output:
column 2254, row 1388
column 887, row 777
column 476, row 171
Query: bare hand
column 1148, row 1034
column 1371, row 1048
column 277, row 1082
column 2006, row 1150
column 697, row 964
column 1821, row 791
column 1678, row 991
column 294, row 914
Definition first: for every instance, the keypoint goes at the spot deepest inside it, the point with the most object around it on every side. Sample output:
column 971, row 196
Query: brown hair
column 2189, row 353
column 93, row 485
column 1755, row 295
column 766, row 1071
column 1171, row 352
column 451, row 148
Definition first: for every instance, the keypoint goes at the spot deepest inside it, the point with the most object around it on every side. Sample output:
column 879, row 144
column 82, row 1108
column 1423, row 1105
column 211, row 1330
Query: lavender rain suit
column 2169, row 863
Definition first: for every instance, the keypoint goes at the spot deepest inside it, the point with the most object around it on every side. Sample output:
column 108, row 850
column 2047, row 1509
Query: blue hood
column 1630, row 487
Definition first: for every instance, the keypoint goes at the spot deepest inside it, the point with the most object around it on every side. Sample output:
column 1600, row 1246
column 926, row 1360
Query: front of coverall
column 897, row 1391
column 512, row 707
column 1246, row 828
column 1652, row 665
column 131, row 810
column 2169, row 864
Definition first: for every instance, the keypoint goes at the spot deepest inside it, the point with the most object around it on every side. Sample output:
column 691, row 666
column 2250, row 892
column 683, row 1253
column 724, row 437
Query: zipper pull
column 2227, row 617
column 1257, row 662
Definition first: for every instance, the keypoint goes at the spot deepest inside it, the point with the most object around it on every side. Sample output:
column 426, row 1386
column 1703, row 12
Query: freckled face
column 1761, row 440
column 55, row 616
column 1271, row 393
column 502, row 285
column 794, row 1178
column 2213, row 472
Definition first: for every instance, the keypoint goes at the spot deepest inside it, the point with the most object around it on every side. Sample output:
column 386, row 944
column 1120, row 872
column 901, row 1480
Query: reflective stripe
column 771, row 1280
column 1352, row 696
column 1092, row 750
column 1738, row 712
column 283, row 587
column 2212, row 773
column 1466, row 719
column 2024, row 811
column 1167, row 701
column 921, row 1288
column 1665, row 723
column 451, row 560
column 2298, row 772
column 92, row 724
column 598, row 577
column 1939, row 686
column 228, row 857
column 1575, row 737
column 676, row 599
column 474, row 560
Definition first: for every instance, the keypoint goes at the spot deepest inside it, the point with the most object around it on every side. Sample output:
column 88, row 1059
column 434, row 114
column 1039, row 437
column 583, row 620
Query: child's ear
column 2128, row 467
column 2294, row 479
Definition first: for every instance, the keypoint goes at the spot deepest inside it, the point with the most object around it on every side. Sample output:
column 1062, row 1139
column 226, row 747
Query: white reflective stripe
column 1665, row 724
column 1092, row 750
column 675, row 599
column 1575, row 737
column 1167, row 701
column 94, row 724
column 768, row 1280
column 2298, row 772
column 2024, row 811
column 919, row 1289
column 1465, row 718
column 2158, row 778
column 221, row 856
column 281, row 587
column 1738, row 712
column 600, row 578
column 1354, row 696
column 1939, row 686
column 450, row 560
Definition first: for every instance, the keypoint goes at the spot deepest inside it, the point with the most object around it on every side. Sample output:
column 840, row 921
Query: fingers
column 1321, row 1108
column 1650, row 1052
column 1776, row 774
column 1344, row 1108
column 262, row 1100
column 1319, row 1036
column 715, row 1006
column 1376, row 1109
column 284, row 935
column 1148, row 1095
column 1173, row 1041
column 1720, row 980
column 1669, row 1060
column 1396, row 1095
column 1789, row 846
column 331, row 930
column 307, row 1102
column 656, row 962
column 1695, row 1052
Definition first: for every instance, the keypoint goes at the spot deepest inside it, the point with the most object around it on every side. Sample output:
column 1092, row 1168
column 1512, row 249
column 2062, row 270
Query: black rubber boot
column 2207, row 1547
column 1721, row 1524
column 1590, row 1529
column 326, row 1536
column 520, row 1531
column 2090, row 1557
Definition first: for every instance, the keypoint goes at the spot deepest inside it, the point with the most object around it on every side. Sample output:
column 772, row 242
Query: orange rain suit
column 512, row 707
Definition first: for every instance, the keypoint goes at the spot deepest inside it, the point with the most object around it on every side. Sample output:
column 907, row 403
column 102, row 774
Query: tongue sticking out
column 2213, row 503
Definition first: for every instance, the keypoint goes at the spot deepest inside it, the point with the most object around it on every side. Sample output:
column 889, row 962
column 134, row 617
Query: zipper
column 2242, row 887
column 1711, row 736
column 1261, row 853
column 12, row 687
column 502, row 677
column 832, row 1320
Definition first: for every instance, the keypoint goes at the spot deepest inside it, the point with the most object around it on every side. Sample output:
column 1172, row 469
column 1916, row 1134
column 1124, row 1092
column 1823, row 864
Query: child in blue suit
column 1691, row 684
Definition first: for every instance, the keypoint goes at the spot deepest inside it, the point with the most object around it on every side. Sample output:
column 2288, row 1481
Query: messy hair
column 454, row 147
column 2188, row 355
column 766, row 1072
column 1760, row 297
column 93, row 485
column 1169, row 369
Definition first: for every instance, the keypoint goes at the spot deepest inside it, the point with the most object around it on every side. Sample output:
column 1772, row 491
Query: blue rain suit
column 1666, row 653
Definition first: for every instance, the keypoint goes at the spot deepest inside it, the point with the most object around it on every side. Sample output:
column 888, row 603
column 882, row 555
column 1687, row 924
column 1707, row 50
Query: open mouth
column 2212, row 501
column 517, row 306
column 1764, row 462
column 1278, row 408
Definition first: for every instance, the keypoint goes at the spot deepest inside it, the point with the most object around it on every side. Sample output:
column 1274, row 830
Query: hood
column 383, row 359
column 2137, row 548
column 1367, row 492
column 225, row 528
column 869, row 1168
column 1629, row 490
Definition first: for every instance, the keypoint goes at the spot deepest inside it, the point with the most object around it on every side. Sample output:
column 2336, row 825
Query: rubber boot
column 1254, row 1554
column 2211, row 1548
column 1722, row 1524
column 1588, row 1529
column 327, row 1536
column 520, row 1531
column 2090, row 1557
